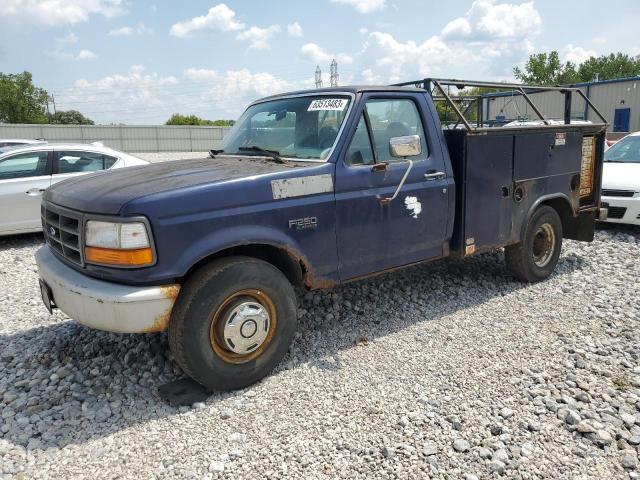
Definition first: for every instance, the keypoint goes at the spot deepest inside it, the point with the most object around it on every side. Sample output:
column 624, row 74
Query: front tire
column 536, row 256
column 233, row 322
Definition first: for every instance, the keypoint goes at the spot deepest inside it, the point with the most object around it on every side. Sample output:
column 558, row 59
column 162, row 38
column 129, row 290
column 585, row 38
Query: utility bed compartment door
column 488, row 190
column 546, row 155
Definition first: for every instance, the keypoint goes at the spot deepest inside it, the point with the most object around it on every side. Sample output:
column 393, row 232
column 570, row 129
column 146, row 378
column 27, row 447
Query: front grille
column 617, row 193
column 616, row 212
column 61, row 229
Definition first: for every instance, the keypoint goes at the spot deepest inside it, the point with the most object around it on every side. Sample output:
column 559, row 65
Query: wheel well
column 565, row 212
column 293, row 269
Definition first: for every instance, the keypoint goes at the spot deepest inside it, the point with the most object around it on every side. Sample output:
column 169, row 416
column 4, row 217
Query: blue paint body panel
column 197, row 208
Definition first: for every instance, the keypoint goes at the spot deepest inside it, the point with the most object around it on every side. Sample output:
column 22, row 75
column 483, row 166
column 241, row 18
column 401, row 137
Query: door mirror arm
column 388, row 200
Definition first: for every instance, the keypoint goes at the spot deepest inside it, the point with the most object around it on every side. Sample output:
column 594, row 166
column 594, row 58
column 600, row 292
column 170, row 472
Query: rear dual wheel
column 233, row 322
column 536, row 256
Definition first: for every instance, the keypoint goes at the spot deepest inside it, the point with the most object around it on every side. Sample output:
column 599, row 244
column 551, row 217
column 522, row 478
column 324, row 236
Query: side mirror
column 406, row 146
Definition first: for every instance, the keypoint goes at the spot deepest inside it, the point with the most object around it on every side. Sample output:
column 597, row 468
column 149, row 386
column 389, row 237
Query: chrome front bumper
column 104, row 305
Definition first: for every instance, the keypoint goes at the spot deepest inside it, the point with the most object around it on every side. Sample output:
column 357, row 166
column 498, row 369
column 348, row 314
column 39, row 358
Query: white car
column 27, row 171
column 10, row 143
column 621, row 180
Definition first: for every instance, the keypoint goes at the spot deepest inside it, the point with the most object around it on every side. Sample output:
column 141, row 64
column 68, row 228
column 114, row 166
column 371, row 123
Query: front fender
column 230, row 237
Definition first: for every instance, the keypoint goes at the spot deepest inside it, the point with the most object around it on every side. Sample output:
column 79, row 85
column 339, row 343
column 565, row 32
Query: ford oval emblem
column 52, row 231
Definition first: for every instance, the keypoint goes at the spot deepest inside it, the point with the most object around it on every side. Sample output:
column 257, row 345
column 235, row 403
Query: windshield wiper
column 213, row 153
column 273, row 154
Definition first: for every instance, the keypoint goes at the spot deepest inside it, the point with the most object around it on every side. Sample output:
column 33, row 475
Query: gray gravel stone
column 572, row 418
column 83, row 404
column 629, row 459
column 460, row 445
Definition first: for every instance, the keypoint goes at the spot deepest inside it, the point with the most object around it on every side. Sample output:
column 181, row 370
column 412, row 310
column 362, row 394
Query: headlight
column 120, row 244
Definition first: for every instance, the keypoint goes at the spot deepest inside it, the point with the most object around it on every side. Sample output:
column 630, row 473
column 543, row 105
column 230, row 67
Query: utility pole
column 54, row 104
column 318, row 77
column 334, row 73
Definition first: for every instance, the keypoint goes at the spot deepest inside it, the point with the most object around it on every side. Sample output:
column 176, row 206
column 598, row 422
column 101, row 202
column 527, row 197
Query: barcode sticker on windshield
column 337, row 104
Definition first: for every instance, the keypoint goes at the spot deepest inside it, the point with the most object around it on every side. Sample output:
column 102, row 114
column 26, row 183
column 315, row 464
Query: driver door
column 375, row 234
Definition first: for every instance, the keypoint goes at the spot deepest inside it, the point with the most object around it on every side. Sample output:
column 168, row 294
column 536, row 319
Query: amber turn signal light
column 124, row 258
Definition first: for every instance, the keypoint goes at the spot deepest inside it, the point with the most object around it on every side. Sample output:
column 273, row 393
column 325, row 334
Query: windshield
column 297, row 127
column 626, row 150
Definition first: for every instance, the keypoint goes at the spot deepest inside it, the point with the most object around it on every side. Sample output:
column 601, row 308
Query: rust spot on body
column 309, row 278
column 161, row 322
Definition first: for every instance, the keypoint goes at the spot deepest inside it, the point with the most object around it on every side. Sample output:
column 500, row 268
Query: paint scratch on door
column 413, row 205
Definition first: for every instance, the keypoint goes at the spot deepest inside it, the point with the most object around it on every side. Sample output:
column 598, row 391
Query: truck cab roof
column 353, row 89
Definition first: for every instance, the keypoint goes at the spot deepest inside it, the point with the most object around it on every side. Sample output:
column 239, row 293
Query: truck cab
column 312, row 189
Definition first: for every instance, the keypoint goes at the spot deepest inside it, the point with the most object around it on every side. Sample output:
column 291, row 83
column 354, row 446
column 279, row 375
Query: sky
column 137, row 62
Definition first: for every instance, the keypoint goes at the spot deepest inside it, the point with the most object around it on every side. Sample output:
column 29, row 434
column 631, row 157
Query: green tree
column 607, row 67
column 178, row 119
column 547, row 69
column 20, row 100
column 70, row 117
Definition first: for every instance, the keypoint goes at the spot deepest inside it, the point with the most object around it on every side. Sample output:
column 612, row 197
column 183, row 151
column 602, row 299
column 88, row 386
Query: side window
column 360, row 152
column 394, row 118
column 23, row 165
column 73, row 162
column 109, row 161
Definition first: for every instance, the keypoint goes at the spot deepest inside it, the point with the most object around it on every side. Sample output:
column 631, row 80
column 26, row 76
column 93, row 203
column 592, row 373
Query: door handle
column 433, row 175
column 33, row 192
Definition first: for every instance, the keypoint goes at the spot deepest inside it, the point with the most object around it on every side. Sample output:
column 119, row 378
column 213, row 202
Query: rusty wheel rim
column 544, row 244
column 243, row 326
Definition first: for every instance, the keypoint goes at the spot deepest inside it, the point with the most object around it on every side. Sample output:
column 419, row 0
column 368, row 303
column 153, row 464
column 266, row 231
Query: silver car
column 27, row 171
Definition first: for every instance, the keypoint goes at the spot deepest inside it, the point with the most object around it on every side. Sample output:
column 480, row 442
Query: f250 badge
column 303, row 223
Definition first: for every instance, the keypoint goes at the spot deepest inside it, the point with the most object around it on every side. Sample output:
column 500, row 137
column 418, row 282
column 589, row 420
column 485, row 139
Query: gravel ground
column 451, row 370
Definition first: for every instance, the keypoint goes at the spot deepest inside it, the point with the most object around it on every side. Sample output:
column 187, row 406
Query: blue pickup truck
column 312, row 189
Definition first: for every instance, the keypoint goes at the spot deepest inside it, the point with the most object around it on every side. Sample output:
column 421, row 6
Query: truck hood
column 621, row 176
column 108, row 191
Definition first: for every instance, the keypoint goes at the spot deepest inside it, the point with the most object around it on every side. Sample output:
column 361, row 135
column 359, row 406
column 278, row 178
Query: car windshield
column 626, row 150
column 303, row 127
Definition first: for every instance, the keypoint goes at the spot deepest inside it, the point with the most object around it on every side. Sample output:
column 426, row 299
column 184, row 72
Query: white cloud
column 393, row 61
column 138, row 96
column 487, row 41
column 489, row 20
column 85, row 54
column 58, row 12
column 122, row 97
column 257, row 37
column 200, row 74
column 294, row 29
column 363, row 6
column 316, row 54
column 139, row 29
column 220, row 18
column 69, row 39
column 121, row 32
column 237, row 83
column 458, row 27
column 575, row 54
column 363, row 30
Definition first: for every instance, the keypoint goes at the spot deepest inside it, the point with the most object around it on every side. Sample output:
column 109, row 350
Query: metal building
column 618, row 101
